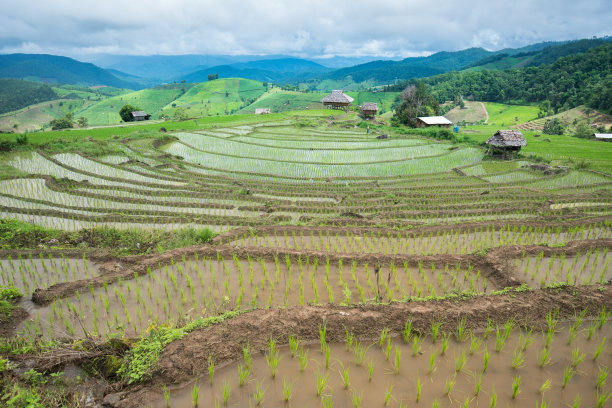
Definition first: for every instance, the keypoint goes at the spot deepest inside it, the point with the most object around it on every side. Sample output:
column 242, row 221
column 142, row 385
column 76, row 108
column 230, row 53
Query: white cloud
column 391, row 28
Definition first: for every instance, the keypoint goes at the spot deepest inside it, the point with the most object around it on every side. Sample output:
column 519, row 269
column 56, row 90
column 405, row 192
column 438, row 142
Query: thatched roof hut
column 140, row 115
column 337, row 100
column 369, row 109
column 506, row 140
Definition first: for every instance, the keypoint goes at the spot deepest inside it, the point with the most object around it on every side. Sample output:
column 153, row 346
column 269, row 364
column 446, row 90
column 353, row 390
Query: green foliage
column 66, row 122
column 568, row 82
column 9, row 293
column 205, row 235
column 416, row 100
column 583, row 131
column 16, row 94
column 18, row 397
column 144, row 355
column 553, row 127
column 126, row 112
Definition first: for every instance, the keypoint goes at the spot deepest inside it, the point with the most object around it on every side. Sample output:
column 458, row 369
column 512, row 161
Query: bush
column 553, row 127
column 7, row 145
column 9, row 293
column 205, row 235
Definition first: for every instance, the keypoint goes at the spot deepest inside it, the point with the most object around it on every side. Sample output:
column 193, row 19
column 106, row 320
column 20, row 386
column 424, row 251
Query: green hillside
column 218, row 97
column 16, row 94
column 35, row 117
column 152, row 100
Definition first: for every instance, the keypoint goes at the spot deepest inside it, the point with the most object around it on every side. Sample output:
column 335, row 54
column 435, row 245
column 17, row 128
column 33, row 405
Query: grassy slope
column 151, row 100
column 34, row 117
column 219, row 97
column 473, row 112
column 507, row 115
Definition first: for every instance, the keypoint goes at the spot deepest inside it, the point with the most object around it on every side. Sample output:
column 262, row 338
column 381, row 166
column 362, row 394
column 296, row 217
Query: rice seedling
column 272, row 357
column 344, row 374
column 445, row 338
column 356, row 399
column 493, row 401
column 435, row 330
column 349, row 339
column 599, row 349
column 450, row 384
column 417, row 343
column 602, row 399
column 516, row 386
column 195, row 395
column 294, row 343
column 460, row 362
column 303, row 357
column 243, row 374
column 545, row 386
column 577, row 357
column 370, row 370
column 460, row 332
column 327, row 400
column 601, row 379
column 322, row 332
column 568, row 373
column 226, row 392
column 477, row 383
column 259, row 393
column 518, row 360
column 327, row 356
column 211, row 368
column 407, row 332
column 388, row 395
column 577, row 401
column 287, row 386
column 419, row 388
column 320, row 382
column 485, row 361
column 383, row 337
column 167, row 396
column 432, row 363
column 475, row 343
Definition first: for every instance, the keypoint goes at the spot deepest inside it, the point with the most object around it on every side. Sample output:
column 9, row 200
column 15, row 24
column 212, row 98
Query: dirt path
column 186, row 358
column 485, row 111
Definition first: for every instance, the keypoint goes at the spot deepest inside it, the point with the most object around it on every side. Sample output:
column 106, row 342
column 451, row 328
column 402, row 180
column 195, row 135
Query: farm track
column 185, row 359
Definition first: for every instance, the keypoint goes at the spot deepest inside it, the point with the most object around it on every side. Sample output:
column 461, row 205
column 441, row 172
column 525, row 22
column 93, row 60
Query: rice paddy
column 300, row 219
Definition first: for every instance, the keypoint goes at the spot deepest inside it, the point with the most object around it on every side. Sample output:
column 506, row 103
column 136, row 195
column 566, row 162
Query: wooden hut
column 428, row 121
column 337, row 100
column 140, row 115
column 369, row 109
column 506, row 141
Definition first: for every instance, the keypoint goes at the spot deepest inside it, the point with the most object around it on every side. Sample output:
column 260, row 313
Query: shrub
column 205, row 235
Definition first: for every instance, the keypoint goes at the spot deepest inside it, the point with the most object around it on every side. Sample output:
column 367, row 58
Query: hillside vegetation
column 582, row 79
column 16, row 94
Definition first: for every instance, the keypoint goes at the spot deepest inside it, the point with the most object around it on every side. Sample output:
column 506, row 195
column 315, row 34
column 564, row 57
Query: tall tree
column 416, row 100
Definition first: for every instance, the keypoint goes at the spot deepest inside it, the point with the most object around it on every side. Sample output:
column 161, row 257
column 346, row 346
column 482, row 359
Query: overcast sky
column 307, row 28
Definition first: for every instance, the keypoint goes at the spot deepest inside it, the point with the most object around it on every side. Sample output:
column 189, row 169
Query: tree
column 212, row 77
column 583, row 131
column 553, row 127
column 126, row 113
column 180, row 114
column 66, row 122
column 416, row 101
column 82, row 121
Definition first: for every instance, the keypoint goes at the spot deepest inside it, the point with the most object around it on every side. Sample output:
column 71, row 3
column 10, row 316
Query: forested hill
column 16, row 94
column 58, row 70
column 581, row 79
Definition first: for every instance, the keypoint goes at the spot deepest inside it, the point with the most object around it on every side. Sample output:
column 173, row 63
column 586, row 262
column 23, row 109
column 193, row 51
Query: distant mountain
column 16, row 94
column 269, row 70
column 533, row 56
column 54, row 69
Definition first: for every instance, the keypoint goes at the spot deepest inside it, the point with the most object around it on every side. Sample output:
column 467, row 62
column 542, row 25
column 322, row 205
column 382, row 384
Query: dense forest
column 581, row 79
column 16, row 94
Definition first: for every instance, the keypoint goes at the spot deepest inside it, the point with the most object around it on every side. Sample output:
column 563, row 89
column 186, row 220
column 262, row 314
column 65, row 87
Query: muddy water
column 29, row 273
column 436, row 243
column 589, row 268
column 497, row 379
column 194, row 288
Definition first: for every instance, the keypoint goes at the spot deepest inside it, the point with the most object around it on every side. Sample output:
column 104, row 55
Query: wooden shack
column 428, row 121
column 337, row 100
column 140, row 115
column 369, row 109
column 504, row 141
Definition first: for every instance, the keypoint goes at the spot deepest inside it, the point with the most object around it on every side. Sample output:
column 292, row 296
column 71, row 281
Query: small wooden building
column 337, row 100
column 369, row 109
column 140, row 115
column 506, row 141
column 262, row 111
column 439, row 121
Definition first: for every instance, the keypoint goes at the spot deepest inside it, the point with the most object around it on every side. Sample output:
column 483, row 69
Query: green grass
column 219, row 97
column 507, row 115
column 106, row 112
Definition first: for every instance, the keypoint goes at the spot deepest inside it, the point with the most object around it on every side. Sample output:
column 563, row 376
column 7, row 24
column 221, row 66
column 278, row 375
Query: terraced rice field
column 321, row 228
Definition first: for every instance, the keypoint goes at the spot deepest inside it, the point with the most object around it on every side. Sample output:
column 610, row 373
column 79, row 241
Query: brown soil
column 188, row 357
column 9, row 324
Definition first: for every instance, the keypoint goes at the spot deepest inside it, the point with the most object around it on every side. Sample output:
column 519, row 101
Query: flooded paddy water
column 512, row 367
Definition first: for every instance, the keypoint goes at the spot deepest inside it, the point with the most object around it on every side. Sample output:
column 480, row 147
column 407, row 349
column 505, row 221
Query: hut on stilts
column 337, row 100
column 504, row 141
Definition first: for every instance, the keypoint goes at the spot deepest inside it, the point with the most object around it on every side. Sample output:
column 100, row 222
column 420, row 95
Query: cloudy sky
column 313, row 28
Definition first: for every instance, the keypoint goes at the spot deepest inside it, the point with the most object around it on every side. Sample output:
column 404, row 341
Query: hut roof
column 139, row 113
column 435, row 120
column 337, row 96
column 507, row 138
column 369, row 106
column 603, row 135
